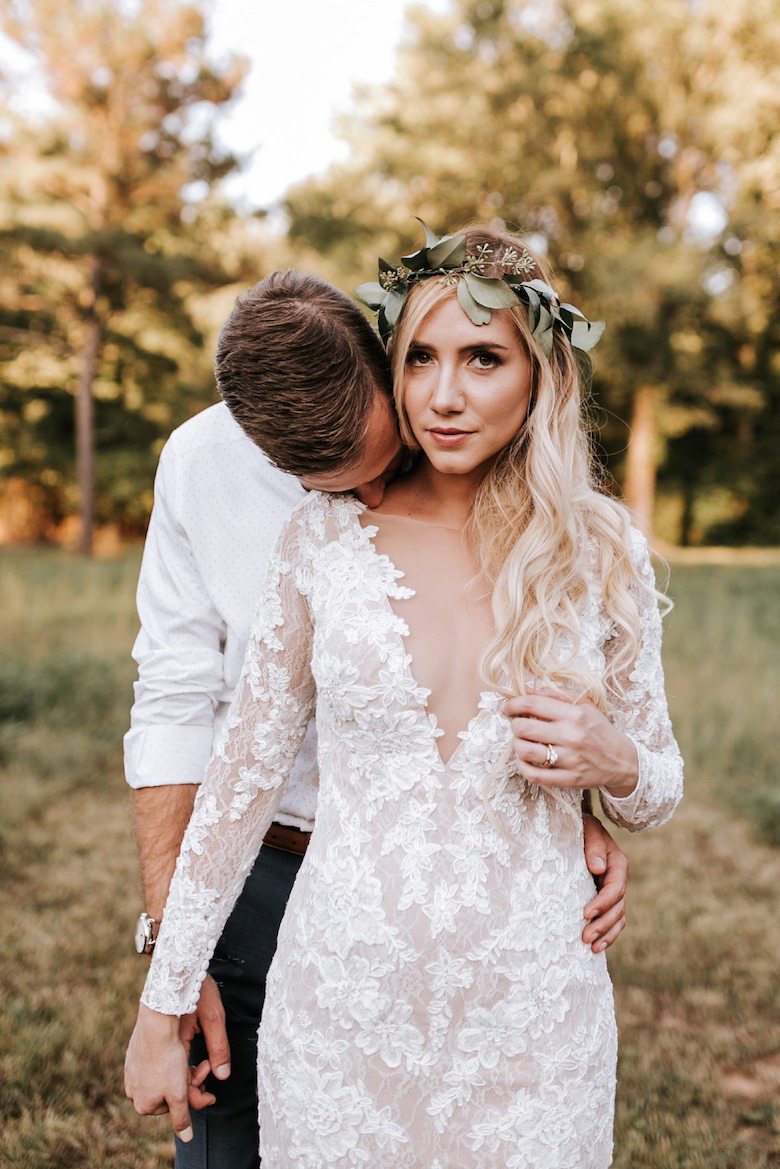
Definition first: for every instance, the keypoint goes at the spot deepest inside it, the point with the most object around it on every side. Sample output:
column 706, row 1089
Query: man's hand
column 209, row 1019
column 606, row 913
column 157, row 1077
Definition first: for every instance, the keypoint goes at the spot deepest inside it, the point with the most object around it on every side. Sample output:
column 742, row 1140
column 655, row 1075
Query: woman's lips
column 449, row 438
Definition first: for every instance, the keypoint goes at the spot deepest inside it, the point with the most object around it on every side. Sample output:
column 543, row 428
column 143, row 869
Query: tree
column 607, row 136
column 103, row 209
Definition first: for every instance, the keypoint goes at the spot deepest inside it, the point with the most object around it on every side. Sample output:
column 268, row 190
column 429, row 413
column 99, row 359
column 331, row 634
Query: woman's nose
column 447, row 394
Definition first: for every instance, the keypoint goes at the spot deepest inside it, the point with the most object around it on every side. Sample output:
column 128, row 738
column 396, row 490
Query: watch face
column 143, row 934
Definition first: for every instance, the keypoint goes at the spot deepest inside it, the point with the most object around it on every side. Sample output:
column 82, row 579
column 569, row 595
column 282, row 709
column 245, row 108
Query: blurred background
column 158, row 158
column 149, row 172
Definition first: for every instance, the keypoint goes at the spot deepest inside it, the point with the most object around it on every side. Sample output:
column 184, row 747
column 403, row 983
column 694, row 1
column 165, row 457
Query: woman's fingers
column 540, row 706
column 156, row 1073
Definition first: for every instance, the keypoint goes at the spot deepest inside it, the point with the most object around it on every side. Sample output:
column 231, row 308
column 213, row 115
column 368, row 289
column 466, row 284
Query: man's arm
column 161, row 815
column 180, row 678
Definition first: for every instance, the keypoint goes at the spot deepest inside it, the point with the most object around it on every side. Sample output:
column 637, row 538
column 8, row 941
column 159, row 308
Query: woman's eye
column 486, row 360
column 417, row 357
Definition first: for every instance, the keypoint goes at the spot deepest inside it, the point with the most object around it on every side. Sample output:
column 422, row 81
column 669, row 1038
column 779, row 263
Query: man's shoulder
column 213, row 441
column 209, row 466
column 209, row 429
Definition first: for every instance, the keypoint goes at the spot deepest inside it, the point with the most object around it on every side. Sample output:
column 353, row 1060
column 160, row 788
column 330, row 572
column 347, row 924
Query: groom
column 306, row 381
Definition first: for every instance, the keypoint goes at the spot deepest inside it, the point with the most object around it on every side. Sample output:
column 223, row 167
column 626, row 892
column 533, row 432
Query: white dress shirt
column 219, row 509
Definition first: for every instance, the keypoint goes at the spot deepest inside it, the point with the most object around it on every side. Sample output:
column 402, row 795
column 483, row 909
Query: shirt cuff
column 162, row 756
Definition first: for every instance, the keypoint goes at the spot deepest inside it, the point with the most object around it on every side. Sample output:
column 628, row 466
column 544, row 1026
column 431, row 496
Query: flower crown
column 478, row 294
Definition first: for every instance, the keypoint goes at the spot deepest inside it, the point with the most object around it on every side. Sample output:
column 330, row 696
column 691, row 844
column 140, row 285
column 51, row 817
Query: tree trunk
column 639, row 486
column 85, row 414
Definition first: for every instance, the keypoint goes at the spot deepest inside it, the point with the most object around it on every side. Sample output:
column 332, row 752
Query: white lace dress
column 431, row 1003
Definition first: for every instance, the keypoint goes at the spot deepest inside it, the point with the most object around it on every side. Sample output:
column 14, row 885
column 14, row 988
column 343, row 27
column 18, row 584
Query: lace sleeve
column 645, row 717
column 243, row 785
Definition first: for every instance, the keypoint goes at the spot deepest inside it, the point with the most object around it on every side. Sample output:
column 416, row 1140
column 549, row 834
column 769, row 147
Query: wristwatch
column 145, row 934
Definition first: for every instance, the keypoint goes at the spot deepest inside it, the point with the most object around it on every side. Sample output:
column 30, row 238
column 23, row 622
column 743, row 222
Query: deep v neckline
column 427, row 715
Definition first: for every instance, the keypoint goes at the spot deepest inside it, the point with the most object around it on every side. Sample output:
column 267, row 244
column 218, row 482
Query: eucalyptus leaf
column 566, row 317
column 534, row 305
column 540, row 286
column 417, row 260
column 394, row 303
column 371, row 294
column 449, row 252
column 546, row 319
column 545, row 339
column 431, row 239
column 586, row 334
column 475, row 312
column 384, row 326
column 478, row 295
column 490, row 292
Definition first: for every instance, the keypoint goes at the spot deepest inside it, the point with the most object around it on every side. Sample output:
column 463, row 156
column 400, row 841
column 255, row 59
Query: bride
column 482, row 649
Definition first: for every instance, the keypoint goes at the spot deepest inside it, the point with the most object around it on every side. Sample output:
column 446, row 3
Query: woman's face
column 466, row 387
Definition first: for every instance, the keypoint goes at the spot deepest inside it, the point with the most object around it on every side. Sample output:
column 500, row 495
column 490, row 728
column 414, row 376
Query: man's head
column 306, row 377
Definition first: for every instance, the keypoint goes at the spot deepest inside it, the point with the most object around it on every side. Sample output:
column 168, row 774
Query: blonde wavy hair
column 540, row 526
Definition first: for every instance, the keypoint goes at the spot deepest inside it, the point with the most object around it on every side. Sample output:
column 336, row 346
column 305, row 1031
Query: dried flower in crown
column 445, row 258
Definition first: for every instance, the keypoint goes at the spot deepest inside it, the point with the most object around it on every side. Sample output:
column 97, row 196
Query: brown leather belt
column 287, row 839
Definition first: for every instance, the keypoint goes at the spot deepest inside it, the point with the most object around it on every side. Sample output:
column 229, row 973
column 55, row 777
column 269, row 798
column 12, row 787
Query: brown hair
column 299, row 366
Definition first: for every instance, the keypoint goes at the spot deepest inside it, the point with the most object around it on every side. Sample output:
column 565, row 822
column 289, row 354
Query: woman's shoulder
column 322, row 516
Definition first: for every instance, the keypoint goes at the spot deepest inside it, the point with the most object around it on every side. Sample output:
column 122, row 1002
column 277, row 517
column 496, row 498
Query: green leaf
column 586, row 334
column 394, row 303
column 449, row 252
column 546, row 318
column 540, row 286
column 490, row 292
column 431, row 239
column 545, row 339
column 475, row 312
column 385, row 329
column 573, row 310
column 566, row 317
column 384, row 266
column 534, row 306
column 371, row 294
column 417, row 260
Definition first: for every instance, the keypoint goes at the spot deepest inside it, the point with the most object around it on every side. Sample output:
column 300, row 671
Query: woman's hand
column 585, row 749
column 157, row 1076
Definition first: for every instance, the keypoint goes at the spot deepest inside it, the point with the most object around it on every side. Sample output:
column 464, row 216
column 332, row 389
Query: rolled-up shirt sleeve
column 219, row 509
column 179, row 651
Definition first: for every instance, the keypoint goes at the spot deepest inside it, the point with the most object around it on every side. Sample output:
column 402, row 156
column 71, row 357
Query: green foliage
column 599, row 132
column 723, row 672
column 68, row 688
column 104, row 250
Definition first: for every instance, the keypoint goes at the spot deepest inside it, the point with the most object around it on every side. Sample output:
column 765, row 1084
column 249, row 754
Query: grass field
column 696, row 973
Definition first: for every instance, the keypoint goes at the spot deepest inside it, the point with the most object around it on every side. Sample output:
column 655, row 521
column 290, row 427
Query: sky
column 306, row 56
